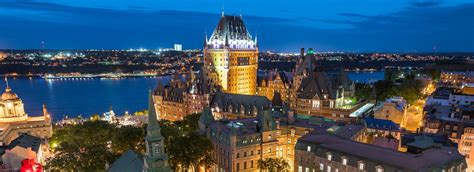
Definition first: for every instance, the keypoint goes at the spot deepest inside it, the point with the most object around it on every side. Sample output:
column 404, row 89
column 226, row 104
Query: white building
column 23, row 147
column 178, row 47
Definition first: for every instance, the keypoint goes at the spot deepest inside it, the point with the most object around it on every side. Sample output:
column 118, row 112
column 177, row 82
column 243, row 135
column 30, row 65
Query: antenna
column 6, row 81
column 222, row 13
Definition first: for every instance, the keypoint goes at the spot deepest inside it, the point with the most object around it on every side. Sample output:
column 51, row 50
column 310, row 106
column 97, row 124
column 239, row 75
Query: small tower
column 156, row 159
column 45, row 112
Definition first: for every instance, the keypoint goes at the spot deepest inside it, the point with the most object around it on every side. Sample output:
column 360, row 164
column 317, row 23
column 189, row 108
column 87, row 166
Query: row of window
column 251, row 165
column 344, row 161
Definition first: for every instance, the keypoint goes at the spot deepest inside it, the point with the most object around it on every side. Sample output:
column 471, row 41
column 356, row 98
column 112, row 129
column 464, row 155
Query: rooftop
column 428, row 159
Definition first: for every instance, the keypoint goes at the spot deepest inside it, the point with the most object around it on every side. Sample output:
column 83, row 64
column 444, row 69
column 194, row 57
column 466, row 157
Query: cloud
column 353, row 15
column 426, row 3
column 414, row 28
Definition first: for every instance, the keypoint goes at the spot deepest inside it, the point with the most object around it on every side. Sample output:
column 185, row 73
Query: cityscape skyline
column 402, row 26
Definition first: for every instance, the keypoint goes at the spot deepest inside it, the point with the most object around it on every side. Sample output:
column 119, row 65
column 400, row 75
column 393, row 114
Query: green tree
column 184, row 146
column 91, row 145
column 190, row 151
column 273, row 165
column 125, row 138
column 83, row 147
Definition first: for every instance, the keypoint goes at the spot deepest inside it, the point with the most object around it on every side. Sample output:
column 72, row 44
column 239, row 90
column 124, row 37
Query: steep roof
column 128, row 162
column 317, row 84
column 231, row 31
column 235, row 101
column 230, row 27
column 26, row 141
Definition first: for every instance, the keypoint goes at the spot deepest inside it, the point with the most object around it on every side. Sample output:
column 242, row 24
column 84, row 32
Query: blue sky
column 325, row 25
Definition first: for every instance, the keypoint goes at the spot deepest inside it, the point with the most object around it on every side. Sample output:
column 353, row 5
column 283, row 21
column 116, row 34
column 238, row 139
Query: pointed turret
column 156, row 159
column 45, row 111
column 277, row 101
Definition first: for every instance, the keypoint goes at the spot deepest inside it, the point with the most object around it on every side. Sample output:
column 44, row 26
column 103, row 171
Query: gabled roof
column 26, row 141
column 130, row 161
column 317, row 85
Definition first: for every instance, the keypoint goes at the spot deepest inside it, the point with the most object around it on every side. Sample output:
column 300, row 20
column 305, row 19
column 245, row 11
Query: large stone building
column 319, row 93
column 14, row 120
column 331, row 153
column 231, row 56
column 273, row 133
column 179, row 98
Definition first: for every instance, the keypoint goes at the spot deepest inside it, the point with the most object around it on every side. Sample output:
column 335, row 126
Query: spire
column 152, row 118
column 156, row 159
column 205, row 39
column 8, row 89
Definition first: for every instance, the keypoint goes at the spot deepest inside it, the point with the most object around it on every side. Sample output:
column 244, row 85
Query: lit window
column 321, row 166
column 300, row 169
column 344, row 161
column 361, row 165
column 329, row 156
column 379, row 168
column 329, row 169
column 293, row 132
column 306, row 169
column 308, row 148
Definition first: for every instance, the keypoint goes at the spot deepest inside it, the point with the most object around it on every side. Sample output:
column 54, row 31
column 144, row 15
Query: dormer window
column 344, row 160
column 329, row 156
column 378, row 168
column 361, row 165
column 308, row 148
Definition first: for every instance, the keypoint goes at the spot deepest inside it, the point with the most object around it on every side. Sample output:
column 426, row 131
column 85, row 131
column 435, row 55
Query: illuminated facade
column 14, row 121
column 179, row 98
column 231, row 56
column 318, row 93
column 275, row 81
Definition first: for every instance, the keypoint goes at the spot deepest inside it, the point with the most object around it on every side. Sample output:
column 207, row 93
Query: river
column 85, row 97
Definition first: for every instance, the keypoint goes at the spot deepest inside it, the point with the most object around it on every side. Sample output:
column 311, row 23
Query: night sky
column 281, row 25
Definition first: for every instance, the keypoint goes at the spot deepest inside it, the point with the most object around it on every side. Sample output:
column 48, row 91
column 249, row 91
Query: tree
column 184, row 146
column 273, row 165
column 91, row 145
column 82, row 147
column 126, row 138
column 190, row 151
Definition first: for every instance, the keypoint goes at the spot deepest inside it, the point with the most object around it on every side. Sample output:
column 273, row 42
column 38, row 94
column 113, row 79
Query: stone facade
column 275, row 81
column 231, row 57
column 14, row 120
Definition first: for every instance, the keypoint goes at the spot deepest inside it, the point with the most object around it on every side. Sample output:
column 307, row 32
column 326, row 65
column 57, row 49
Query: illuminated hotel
column 231, row 56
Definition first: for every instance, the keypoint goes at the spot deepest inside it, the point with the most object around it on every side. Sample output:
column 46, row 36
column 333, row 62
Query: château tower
column 231, row 56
